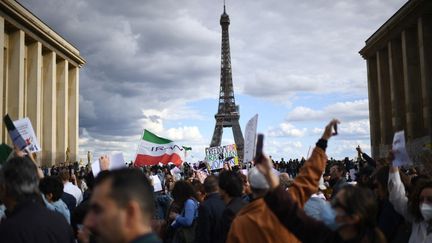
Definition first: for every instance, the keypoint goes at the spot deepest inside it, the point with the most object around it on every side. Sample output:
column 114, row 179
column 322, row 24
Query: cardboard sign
column 250, row 137
column 216, row 156
column 399, row 150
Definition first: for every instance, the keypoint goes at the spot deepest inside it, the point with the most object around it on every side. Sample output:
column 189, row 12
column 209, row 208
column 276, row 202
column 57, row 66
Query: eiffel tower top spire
column 224, row 17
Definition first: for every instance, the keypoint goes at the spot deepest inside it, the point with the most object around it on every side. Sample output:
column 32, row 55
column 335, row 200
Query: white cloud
column 286, row 129
column 184, row 133
column 345, row 111
column 280, row 148
column 360, row 127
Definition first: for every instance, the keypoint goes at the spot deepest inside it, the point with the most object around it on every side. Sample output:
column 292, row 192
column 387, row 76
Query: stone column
column 397, row 85
column 73, row 112
column 49, row 108
column 2, row 81
column 374, row 115
column 384, row 101
column 16, row 75
column 425, row 50
column 412, row 84
column 62, row 110
column 34, row 86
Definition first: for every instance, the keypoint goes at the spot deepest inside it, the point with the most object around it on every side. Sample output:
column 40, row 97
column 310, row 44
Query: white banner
column 250, row 138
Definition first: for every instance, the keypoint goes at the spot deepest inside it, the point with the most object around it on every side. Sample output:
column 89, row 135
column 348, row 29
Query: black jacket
column 209, row 216
column 228, row 215
column 31, row 221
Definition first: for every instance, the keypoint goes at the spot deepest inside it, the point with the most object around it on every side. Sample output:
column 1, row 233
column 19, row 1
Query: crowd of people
column 313, row 200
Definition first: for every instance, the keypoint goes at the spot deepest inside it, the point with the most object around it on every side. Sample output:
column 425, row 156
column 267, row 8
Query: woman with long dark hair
column 417, row 209
column 183, row 220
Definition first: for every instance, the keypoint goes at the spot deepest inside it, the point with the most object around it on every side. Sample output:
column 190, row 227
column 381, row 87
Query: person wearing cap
column 263, row 225
column 256, row 222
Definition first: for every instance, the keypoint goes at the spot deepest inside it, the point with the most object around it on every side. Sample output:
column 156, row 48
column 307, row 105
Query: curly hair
column 414, row 199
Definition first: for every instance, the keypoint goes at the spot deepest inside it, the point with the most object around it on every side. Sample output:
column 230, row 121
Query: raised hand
column 328, row 130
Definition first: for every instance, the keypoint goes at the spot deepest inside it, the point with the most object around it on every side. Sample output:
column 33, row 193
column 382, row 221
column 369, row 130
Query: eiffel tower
column 228, row 112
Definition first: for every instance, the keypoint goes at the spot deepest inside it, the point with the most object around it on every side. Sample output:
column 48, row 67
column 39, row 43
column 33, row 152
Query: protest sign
column 156, row 183
column 25, row 128
column 15, row 136
column 216, row 156
column 95, row 166
column 176, row 172
column 399, row 151
column 250, row 137
column 116, row 162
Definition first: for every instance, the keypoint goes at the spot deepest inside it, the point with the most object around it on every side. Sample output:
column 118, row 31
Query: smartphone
column 259, row 146
column 335, row 129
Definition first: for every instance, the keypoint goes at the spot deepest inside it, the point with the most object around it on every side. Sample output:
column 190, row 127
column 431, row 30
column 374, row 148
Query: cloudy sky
column 156, row 65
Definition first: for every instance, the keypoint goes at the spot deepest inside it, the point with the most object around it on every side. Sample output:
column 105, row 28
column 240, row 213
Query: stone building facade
column 399, row 73
column 39, row 79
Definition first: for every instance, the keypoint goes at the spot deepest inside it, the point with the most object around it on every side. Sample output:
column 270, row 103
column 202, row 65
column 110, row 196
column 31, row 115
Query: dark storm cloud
column 140, row 55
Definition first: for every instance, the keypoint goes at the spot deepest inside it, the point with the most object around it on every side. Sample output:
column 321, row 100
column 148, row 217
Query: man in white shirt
column 71, row 188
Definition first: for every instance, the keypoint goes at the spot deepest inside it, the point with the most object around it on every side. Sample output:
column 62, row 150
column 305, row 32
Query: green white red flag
column 153, row 150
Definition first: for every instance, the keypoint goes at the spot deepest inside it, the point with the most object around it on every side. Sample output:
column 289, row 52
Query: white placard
column 250, row 137
column 175, row 172
column 25, row 128
column 95, row 168
column 116, row 162
column 157, row 185
column 401, row 157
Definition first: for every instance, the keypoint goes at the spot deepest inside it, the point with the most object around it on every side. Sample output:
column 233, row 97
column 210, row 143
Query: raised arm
column 306, row 182
column 397, row 194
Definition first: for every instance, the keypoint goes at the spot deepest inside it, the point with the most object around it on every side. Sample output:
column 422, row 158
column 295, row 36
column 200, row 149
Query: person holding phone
column 255, row 222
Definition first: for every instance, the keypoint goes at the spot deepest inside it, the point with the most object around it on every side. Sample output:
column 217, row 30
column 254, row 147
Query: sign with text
column 216, row 156
column 15, row 136
column 25, row 128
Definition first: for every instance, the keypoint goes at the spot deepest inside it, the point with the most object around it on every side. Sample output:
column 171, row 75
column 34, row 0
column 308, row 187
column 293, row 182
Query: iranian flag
column 153, row 150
